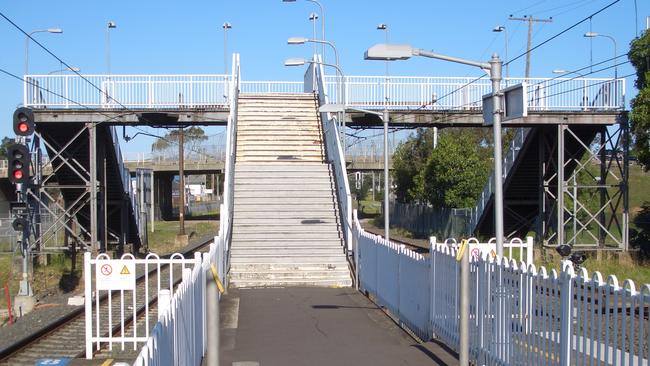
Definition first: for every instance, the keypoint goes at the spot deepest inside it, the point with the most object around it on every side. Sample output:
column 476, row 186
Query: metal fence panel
column 519, row 314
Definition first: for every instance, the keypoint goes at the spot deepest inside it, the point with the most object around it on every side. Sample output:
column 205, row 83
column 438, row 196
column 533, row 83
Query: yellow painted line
column 107, row 362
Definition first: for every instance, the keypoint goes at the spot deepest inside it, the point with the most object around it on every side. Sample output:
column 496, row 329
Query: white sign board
column 514, row 104
column 115, row 275
column 482, row 250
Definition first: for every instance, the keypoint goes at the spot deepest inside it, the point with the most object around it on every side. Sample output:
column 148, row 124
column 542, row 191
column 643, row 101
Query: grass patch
column 623, row 268
column 161, row 241
column 368, row 208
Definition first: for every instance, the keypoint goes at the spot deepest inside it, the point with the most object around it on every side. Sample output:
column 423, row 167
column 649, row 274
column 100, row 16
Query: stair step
column 296, row 261
column 325, row 193
column 271, row 160
column 285, row 208
column 258, row 252
column 287, row 244
column 281, row 168
column 289, row 275
column 346, row 282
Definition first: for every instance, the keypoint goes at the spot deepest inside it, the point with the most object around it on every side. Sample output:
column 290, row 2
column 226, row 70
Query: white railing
column 335, row 155
column 523, row 249
column 115, row 320
column 131, row 91
column 519, row 314
column 457, row 93
column 509, row 159
column 372, row 92
column 226, row 209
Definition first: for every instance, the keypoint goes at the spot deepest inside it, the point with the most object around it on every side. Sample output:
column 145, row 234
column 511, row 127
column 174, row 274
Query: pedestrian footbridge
column 287, row 221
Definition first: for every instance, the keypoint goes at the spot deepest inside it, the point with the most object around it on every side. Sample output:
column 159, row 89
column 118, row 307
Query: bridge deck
column 399, row 117
column 316, row 326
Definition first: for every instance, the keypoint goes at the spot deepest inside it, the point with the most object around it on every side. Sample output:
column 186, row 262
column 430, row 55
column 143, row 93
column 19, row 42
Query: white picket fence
column 519, row 314
column 180, row 335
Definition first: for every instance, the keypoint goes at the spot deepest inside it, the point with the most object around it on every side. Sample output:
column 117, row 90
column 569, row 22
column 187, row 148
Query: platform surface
column 316, row 326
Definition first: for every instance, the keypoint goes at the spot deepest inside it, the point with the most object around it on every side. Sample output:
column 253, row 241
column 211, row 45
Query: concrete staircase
column 286, row 227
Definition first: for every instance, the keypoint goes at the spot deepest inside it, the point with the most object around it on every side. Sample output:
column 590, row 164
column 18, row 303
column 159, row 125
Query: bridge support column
column 92, row 153
column 163, row 196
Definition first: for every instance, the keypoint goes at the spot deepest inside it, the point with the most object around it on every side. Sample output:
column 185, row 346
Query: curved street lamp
column 322, row 20
column 596, row 34
column 48, row 30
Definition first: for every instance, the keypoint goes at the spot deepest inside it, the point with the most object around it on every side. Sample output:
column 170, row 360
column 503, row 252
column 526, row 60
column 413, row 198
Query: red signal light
column 18, row 174
column 23, row 122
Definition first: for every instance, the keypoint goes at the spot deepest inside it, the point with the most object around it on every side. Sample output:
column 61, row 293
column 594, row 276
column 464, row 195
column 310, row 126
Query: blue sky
column 171, row 37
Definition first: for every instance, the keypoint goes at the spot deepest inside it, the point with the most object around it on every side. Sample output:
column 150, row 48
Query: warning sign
column 115, row 275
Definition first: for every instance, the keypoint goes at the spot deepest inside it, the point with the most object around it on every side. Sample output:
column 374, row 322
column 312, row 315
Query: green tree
column 640, row 115
column 6, row 141
column 456, row 171
column 409, row 159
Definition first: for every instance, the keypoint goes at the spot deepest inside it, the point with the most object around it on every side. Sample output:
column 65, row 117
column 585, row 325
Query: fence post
column 212, row 320
column 432, row 283
column 566, row 308
column 464, row 305
column 529, row 251
column 88, row 302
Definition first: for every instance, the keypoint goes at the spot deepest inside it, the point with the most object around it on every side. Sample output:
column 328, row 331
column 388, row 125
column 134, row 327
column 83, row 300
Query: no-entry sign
column 115, row 275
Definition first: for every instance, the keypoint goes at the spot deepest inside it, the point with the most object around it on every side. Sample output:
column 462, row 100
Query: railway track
column 65, row 338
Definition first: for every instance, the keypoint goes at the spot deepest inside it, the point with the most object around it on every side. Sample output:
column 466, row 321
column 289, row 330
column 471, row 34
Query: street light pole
column 225, row 27
column 302, row 40
column 503, row 29
column 300, row 61
column 110, row 25
column 322, row 20
column 385, row 118
column 595, row 34
column 384, row 27
column 493, row 68
column 49, row 30
column 313, row 17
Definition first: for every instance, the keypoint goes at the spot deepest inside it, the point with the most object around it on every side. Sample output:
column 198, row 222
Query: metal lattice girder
column 585, row 203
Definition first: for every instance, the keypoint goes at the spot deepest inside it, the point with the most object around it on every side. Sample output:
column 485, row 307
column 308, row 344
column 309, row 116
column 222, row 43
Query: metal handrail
column 370, row 92
column 335, row 156
column 226, row 212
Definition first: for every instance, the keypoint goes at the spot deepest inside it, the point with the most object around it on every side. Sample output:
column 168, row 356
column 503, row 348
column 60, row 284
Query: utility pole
column 181, row 188
column 530, row 19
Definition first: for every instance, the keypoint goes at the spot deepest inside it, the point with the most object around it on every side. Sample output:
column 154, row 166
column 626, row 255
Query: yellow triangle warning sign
column 125, row 271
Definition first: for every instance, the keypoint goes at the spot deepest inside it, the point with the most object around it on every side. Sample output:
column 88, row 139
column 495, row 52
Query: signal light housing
column 23, row 121
column 20, row 224
column 19, row 161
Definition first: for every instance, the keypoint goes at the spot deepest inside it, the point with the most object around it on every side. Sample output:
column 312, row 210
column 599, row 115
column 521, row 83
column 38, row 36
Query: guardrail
column 226, row 209
column 458, row 93
column 372, row 92
column 126, row 301
column 335, row 155
column 519, row 313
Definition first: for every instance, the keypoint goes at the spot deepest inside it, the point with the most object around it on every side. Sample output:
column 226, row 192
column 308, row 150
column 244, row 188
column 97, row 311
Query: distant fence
column 428, row 221
column 519, row 314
